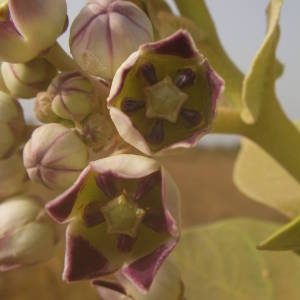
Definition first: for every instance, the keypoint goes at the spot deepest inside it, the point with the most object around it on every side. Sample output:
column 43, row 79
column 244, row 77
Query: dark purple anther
column 156, row 135
column 192, row 116
column 146, row 185
column 92, row 214
column 156, row 221
column 106, row 183
column 130, row 105
column 148, row 72
column 125, row 243
column 185, row 77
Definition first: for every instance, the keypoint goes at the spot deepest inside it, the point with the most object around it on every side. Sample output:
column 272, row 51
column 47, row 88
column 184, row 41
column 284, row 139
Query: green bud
column 26, row 80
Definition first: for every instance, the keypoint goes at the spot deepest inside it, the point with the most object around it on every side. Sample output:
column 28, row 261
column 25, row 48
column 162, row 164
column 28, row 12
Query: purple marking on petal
column 179, row 44
column 130, row 105
column 156, row 135
column 116, row 287
column 62, row 208
column 83, row 261
column 185, row 77
column 106, row 183
column 192, row 116
column 125, row 243
column 92, row 214
column 156, row 221
column 148, row 71
column 143, row 271
column 146, row 184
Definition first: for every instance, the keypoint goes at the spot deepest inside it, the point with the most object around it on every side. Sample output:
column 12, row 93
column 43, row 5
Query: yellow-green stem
column 60, row 59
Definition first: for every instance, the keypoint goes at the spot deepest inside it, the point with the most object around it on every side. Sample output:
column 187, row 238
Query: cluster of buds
column 126, row 91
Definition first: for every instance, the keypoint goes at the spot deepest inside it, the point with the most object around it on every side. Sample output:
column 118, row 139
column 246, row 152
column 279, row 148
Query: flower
column 122, row 211
column 12, row 176
column 54, row 156
column 27, row 79
column 164, row 95
column 71, row 96
column 29, row 27
column 27, row 235
column 105, row 33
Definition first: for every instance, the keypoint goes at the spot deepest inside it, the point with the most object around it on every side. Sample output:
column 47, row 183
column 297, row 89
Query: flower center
column 4, row 11
column 122, row 216
column 164, row 100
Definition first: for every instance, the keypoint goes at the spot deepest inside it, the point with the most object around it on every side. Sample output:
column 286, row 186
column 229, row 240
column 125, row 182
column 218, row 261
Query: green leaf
column 197, row 13
column 220, row 262
column 261, row 178
column 285, row 238
column 259, row 83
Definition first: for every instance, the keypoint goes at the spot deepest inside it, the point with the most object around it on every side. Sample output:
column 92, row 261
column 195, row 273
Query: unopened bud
column 29, row 27
column 12, row 176
column 11, row 114
column 26, row 80
column 27, row 235
column 100, row 47
column 54, row 156
column 71, row 96
column 42, row 109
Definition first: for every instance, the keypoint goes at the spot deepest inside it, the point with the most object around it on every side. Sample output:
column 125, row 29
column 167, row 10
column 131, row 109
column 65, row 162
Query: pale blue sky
column 241, row 25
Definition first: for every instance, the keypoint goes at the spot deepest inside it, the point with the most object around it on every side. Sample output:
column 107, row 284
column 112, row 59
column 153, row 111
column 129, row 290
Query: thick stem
column 273, row 131
column 60, row 59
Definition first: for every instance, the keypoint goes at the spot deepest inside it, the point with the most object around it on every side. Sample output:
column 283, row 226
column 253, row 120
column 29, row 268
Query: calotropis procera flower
column 54, row 156
column 105, row 33
column 27, row 234
column 71, row 96
column 164, row 95
column 27, row 79
column 122, row 212
column 29, row 27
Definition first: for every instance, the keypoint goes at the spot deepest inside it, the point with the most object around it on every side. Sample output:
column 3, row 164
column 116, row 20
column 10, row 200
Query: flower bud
column 105, row 33
column 11, row 114
column 26, row 80
column 42, row 109
column 123, row 213
column 54, row 156
column 71, row 96
column 12, row 176
column 164, row 95
column 27, row 235
column 29, row 27
column 7, row 140
column 98, row 131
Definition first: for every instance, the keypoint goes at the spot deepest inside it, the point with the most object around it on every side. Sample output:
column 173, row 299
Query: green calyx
column 122, row 216
column 164, row 100
column 4, row 11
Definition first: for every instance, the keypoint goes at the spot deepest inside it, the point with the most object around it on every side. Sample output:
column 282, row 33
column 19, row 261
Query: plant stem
column 273, row 132
column 60, row 59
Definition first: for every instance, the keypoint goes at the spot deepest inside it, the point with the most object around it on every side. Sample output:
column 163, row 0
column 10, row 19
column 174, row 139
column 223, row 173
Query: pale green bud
column 27, row 235
column 54, row 156
column 26, row 80
column 71, row 96
column 117, row 29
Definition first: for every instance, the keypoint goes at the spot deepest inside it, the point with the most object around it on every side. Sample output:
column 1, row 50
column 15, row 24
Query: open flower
column 29, row 27
column 119, row 217
column 164, row 95
column 105, row 33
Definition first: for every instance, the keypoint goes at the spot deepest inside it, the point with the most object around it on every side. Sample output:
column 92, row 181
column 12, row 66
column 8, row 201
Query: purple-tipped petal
column 143, row 271
column 83, row 261
column 61, row 207
column 180, row 44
